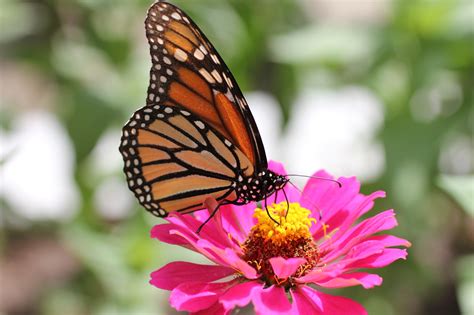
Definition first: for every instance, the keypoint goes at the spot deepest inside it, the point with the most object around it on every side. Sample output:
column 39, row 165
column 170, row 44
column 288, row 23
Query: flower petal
column 367, row 280
column 388, row 256
column 318, row 275
column 390, row 240
column 341, row 217
column 229, row 257
column 305, row 298
column 272, row 301
column 162, row 233
column 202, row 246
column 240, row 294
column 346, row 240
column 291, row 193
column 215, row 309
column 326, row 197
column 176, row 273
column 306, row 303
column 284, row 268
column 237, row 221
column 194, row 296
column 181, row 230
column 333, row 305
column 212, row 231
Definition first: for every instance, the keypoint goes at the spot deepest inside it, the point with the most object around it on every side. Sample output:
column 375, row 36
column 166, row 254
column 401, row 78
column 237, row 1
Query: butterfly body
column 195, row 138
column 259, row 186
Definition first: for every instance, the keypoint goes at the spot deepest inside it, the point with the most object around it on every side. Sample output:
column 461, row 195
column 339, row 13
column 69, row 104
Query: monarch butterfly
column 195, row 138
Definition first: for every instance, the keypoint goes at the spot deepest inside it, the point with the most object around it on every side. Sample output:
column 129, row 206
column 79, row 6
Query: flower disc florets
column 289, row 238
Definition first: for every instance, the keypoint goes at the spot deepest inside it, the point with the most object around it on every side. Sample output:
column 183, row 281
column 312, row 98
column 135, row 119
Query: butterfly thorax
column 259, row 186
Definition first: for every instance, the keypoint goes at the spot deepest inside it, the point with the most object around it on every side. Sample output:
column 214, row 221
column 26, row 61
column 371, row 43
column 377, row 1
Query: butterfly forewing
column 187, row 70
column 196, row 137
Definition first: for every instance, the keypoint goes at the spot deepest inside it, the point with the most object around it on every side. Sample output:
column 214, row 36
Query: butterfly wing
column 187, row 71
column 174, row 160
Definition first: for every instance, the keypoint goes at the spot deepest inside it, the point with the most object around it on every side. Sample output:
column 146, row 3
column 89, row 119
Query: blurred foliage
column 86, row 61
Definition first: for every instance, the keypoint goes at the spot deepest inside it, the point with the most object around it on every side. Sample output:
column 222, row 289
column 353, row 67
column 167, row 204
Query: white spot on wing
column 215, row 59
column 227, row 80
column 198, row 54
column 180, row 55
column 216, row 75
column 200, row 124
column 207, row 75
column 176, row 16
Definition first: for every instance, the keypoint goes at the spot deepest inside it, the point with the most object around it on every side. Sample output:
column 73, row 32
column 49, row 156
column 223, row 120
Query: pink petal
column 390, row 240
column 215, row 309
column 182, row 231
column 240, row 294
column 327, row 197
column 195, row 244
column 343, row 214
column 292, row 193
column 338, row 246
column 201, row 215
column 237, row 221
column 317, row 275
column 229, row 258
column 212, row 231
column 363, row 250
column 197, row 296
column 176, row 273
column 357, row 253
column 277, row 167
column 367, row 281
column 303, row 304
column 333, row 305
column 162, row 233
column 271, row 301
column 388, row 256
column 284, row 268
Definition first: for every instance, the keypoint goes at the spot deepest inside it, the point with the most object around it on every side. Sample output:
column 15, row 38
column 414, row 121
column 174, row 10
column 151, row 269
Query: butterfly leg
column 209, row 202
column 287, row 203
column 268, row 212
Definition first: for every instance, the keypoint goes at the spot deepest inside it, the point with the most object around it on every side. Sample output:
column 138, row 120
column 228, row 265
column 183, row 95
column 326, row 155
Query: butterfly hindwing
column 188, row 71
column 174, row 160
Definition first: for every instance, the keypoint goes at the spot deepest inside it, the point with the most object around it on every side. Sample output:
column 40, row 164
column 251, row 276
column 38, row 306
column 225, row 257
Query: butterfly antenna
column 309, row 201
column 317, row 177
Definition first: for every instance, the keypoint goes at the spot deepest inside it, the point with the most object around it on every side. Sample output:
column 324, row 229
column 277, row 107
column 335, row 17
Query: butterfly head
column 260, row 185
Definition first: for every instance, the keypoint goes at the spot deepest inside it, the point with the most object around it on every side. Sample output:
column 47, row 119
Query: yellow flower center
column 289, row 238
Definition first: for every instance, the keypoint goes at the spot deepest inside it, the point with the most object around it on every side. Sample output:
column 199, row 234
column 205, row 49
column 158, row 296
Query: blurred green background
column 378, row 89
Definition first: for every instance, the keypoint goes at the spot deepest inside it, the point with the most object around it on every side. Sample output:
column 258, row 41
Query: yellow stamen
column 325, row 230
column 294, row 224
column 291, row 238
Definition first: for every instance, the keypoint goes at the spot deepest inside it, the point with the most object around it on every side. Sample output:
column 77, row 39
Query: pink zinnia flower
column 278, row 268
